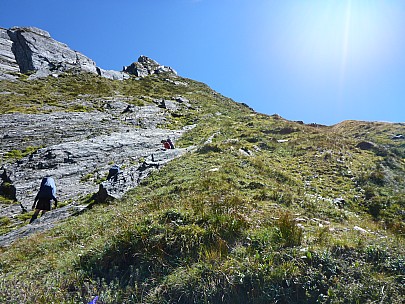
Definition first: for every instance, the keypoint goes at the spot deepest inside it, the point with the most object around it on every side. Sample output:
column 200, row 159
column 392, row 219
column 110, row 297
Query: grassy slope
column 219, row 225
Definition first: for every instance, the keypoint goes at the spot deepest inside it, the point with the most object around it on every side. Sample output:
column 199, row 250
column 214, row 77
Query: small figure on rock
column 170, row 143
column 166, row 145
column 128, row 109
column 46, row 194
column 7, row 189
column 113, row 173
column 4, row 176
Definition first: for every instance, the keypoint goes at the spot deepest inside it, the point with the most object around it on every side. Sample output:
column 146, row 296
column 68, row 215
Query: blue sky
column 320, row 61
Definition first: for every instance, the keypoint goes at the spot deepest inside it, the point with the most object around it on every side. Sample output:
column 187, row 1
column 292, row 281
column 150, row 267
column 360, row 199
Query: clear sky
column 320, row 61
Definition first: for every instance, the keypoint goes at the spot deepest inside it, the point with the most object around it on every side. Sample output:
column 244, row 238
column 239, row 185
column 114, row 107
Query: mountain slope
column 261, row 210
column 264, row 210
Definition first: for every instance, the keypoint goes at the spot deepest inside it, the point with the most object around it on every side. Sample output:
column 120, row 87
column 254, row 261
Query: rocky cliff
column 32, row 50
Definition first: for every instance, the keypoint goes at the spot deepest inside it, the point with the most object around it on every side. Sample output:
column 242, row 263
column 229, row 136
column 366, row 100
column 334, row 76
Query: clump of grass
column 5, row 221
column 288, row 233
column 18, row 154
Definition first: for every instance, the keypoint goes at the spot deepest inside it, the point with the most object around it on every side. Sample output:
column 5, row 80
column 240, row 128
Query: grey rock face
column 79, row 144
column 7, row 58
column 111, row 74
column 128, row 178
column 27, row 49
column 146, row 66
column 398, row 137
column 34, row 49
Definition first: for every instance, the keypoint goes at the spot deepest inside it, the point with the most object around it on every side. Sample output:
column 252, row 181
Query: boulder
column 366, row 145
column 398, row 137
column 8, row 191
column 183, row 101
column 339, row 202
column 285, row 130
column 111, row 74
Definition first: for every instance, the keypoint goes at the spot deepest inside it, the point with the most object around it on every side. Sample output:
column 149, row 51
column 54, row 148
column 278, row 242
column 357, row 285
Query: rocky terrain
column 77, row 149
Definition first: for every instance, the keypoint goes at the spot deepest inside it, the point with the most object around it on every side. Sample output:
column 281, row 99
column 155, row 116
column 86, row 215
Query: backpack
column 113, row 172
column 170, row 143
column 47, row 189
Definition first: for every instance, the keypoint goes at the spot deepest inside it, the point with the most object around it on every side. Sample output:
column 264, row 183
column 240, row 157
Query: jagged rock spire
column 146, row 66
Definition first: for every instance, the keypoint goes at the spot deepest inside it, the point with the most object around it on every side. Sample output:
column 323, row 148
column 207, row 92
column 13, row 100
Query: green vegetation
column 4, row 224
column 267, row 211
column 18, row 154
column 94, row 177
column 80, row 92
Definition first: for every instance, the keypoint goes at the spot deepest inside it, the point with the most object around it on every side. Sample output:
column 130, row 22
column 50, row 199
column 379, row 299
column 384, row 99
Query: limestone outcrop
column 32, row 50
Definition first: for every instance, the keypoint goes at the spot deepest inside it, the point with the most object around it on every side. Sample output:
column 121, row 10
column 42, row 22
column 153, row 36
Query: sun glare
column 338, row 37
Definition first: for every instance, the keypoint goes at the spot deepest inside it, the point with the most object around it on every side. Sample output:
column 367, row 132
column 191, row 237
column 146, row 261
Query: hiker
column 170, row 143
column 46, row 194
column 165, row 144
column 4, row 176
column 113, row 173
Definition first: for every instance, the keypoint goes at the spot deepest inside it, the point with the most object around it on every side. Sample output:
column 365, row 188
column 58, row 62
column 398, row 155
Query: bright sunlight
column 336, row 37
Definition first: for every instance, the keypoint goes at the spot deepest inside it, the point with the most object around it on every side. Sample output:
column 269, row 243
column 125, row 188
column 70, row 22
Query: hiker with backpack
column 46, row 194
column 166, row 145
column 169, row 141
column 113, row 173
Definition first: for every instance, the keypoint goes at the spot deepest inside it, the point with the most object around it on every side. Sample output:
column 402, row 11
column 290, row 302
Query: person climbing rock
column 46, row 194
column 170, row 143
column 166, row 145
column 4, row 176
column 113, row 173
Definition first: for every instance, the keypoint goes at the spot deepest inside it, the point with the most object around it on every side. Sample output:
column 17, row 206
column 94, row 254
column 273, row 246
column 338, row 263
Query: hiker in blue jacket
column 46, row 194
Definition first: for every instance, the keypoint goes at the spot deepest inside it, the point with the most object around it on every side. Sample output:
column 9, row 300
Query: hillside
column 249, row 208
